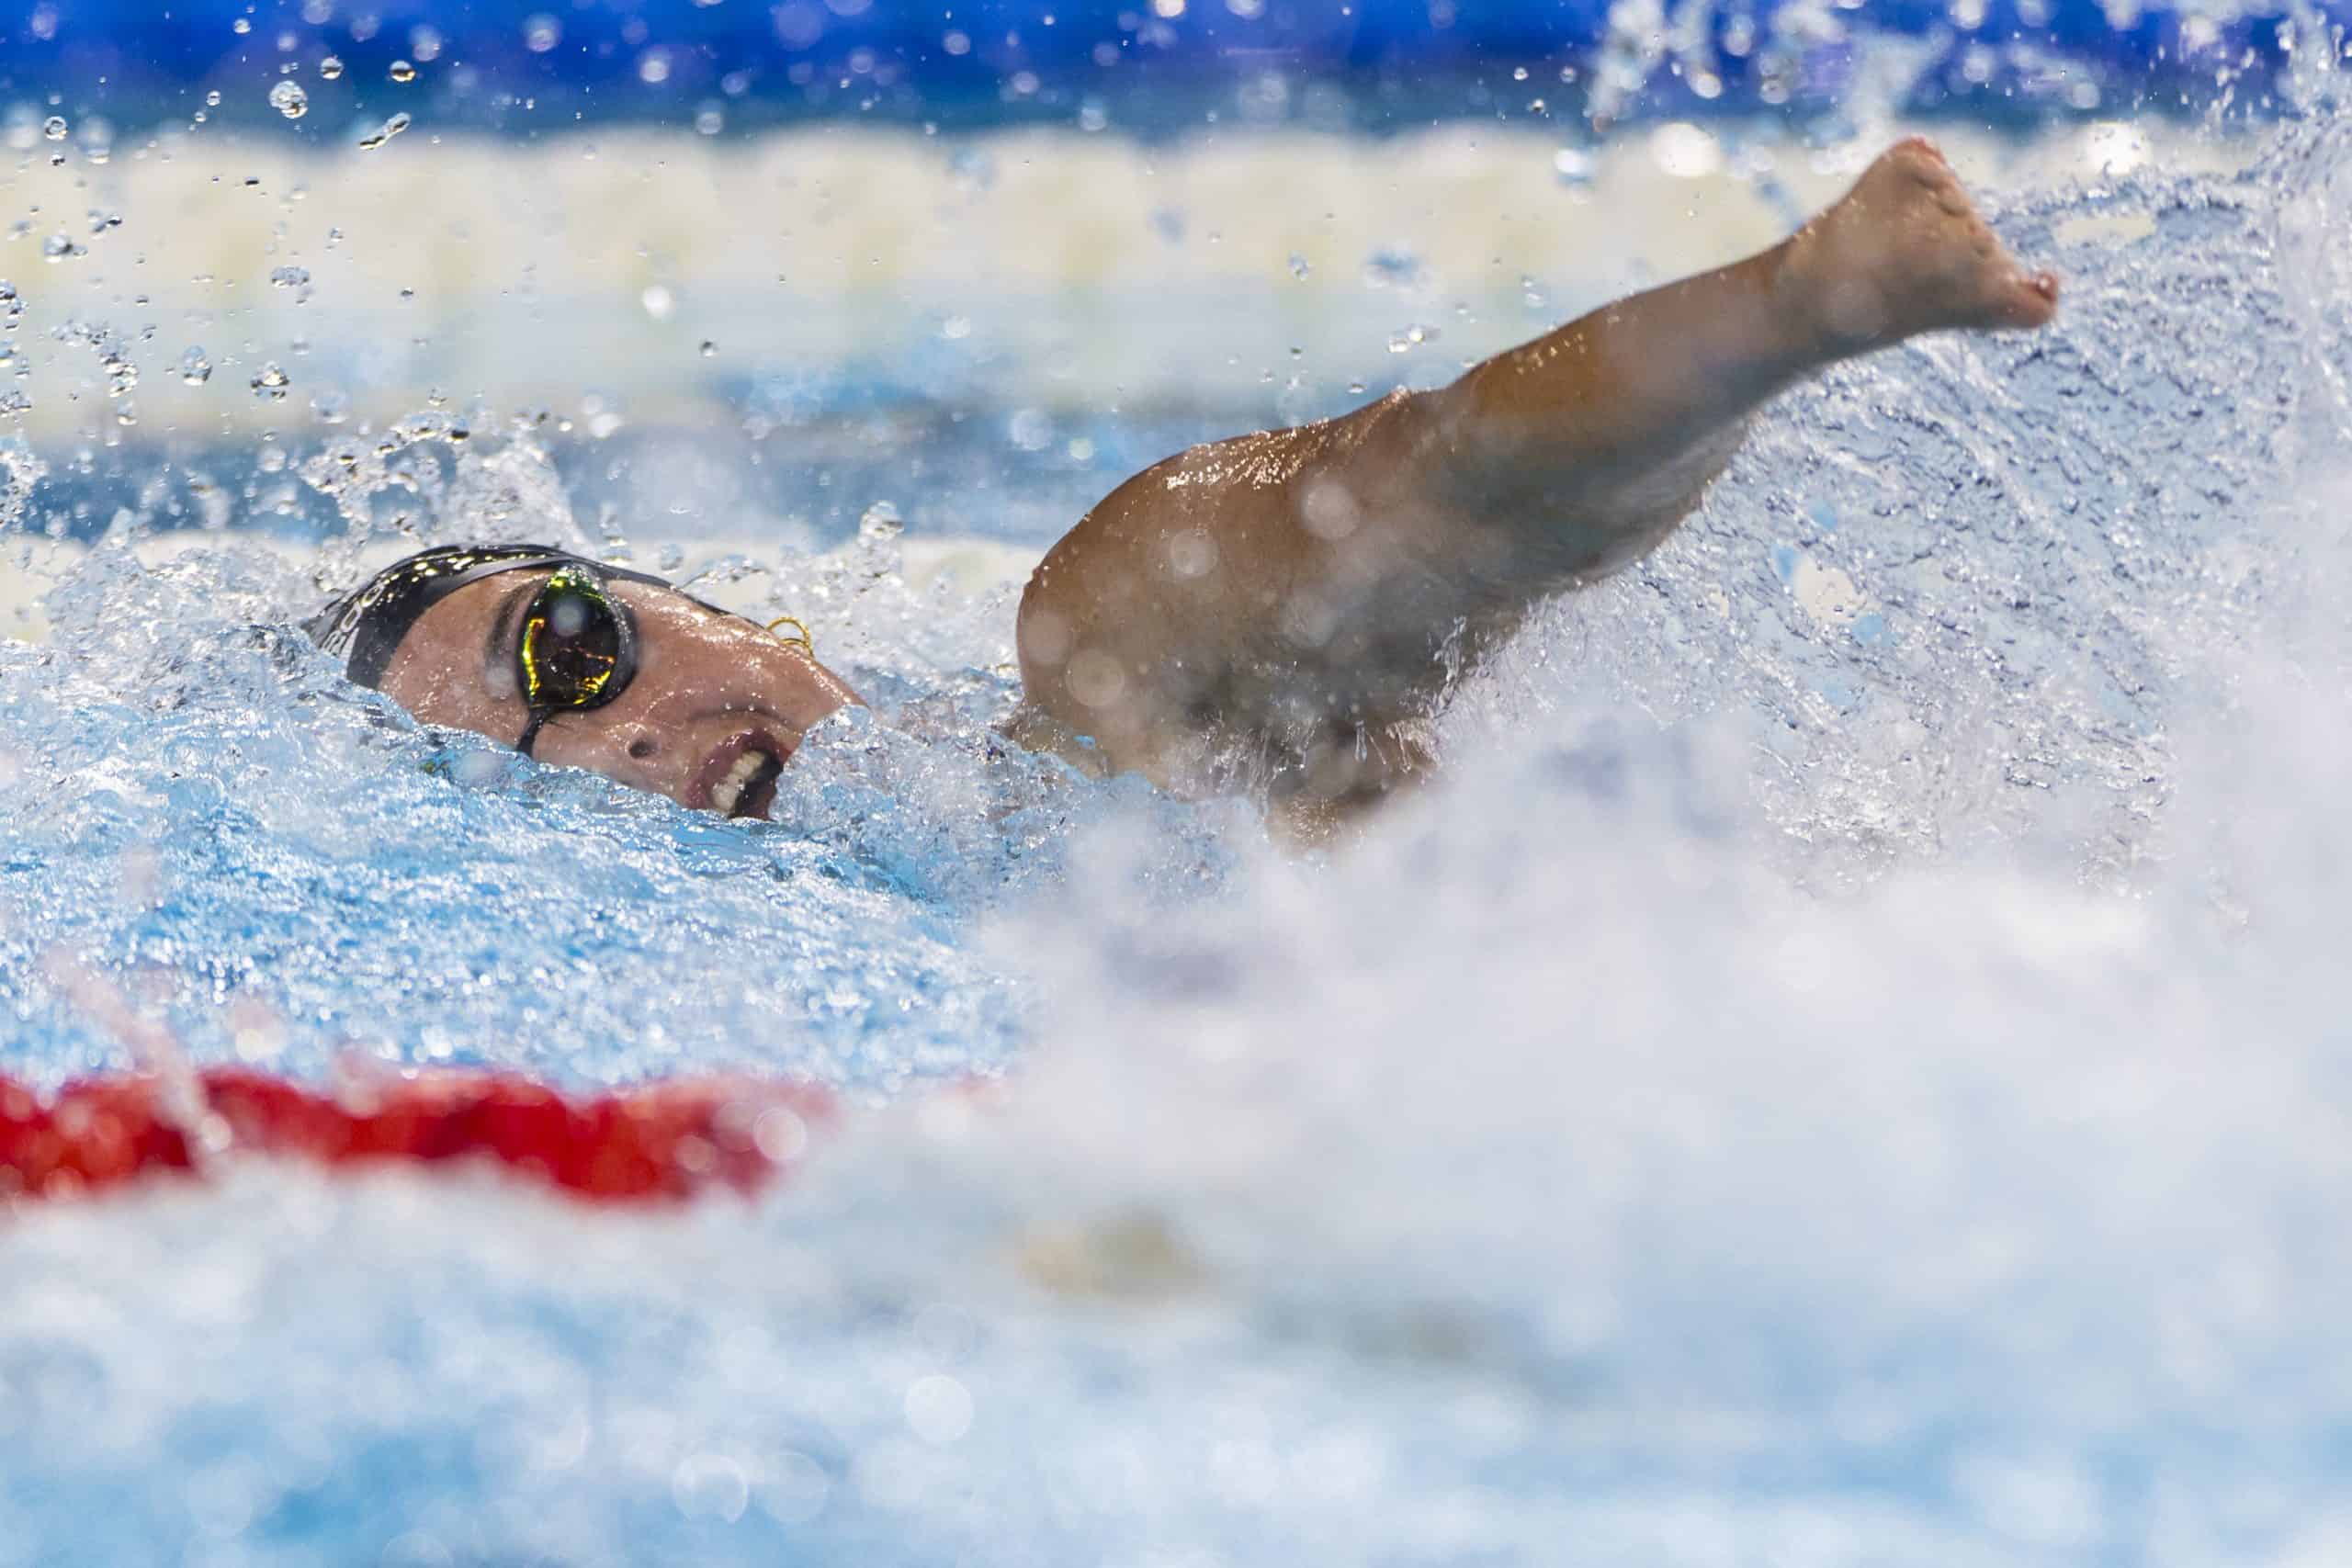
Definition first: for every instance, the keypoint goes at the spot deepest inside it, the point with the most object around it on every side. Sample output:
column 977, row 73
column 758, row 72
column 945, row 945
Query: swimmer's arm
column 1573, row 454
column 1342, row 572
column 1343, row 554
column 1591, row 443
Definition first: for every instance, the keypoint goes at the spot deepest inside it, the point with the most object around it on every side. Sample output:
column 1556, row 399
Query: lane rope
column 661, row 1142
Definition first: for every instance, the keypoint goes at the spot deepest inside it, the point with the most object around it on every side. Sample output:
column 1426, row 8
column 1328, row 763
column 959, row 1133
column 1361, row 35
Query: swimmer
column 1281, row 610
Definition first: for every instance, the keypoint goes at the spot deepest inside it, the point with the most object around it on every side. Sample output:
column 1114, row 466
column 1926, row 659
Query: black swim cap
column 365, row 626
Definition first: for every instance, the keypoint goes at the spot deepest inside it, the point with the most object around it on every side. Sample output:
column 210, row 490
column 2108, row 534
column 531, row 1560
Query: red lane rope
column 666, row 1142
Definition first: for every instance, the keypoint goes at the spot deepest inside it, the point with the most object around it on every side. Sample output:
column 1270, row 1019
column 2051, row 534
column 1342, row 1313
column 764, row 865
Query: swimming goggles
column 576, row 650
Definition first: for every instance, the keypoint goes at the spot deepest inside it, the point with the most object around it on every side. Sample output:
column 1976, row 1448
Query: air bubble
column 402, row 71
column 289, row 99
column 542, row 32
column 330, row 68
column 53, row 127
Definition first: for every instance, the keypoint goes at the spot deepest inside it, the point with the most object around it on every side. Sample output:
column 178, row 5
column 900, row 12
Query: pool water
column 1846, row 1068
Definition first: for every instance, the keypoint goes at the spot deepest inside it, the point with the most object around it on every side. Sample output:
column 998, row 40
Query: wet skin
column 1295, row 603
column 1284, row 610
column 709, row 690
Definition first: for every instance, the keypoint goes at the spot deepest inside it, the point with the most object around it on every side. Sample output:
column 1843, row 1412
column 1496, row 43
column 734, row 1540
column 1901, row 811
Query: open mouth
column 738, row 778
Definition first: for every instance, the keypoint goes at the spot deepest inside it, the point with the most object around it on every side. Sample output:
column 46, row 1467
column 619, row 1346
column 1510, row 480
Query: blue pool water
column 1846, row 1068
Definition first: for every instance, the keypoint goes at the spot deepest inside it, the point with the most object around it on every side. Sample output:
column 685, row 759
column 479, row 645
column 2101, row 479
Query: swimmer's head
column 586, row 665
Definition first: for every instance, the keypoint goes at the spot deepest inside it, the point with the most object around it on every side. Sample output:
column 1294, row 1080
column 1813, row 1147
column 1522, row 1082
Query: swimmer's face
column 715, row 707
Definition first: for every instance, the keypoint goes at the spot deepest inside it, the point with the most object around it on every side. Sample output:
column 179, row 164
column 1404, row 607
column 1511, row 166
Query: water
column 1844, row 1069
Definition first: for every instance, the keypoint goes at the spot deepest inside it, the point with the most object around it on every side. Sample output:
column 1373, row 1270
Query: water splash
column 1714, row 1132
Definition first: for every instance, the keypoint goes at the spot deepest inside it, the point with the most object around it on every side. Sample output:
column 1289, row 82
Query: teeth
column 729, row 790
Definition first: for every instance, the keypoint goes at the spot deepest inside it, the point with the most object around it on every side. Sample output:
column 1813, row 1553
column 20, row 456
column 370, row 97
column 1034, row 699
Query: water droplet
column 972, row 169
column 1686, row 151
column 289, row 277
column 1574, row 167
column 241, row 26
column 13, row 402
column 658, row 301
column 125, row 412
column 402, row 71
column 709, row 119
column 196, row 366
column 271, row 383
column 1393, row 268
column 1298, row 267
column 1030, row 429
column 709, row 349
column 289, row 99
column 542, row 32
column 390, row 128
column 59, row 247
column 53, row 127
column 938, row 1409
column 881, row 521
column 330, row 68
column 653, row 67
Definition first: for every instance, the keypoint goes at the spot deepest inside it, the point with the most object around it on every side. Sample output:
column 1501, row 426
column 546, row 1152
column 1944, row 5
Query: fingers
column 2031, row 301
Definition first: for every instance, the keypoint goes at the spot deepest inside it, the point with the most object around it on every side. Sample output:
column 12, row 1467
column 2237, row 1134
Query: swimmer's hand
column 1904, row 253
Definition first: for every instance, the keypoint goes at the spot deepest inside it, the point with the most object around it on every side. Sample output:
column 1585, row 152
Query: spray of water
column 1844, row 1068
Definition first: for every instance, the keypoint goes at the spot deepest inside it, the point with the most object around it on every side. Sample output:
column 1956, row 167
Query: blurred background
column 754, row 265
